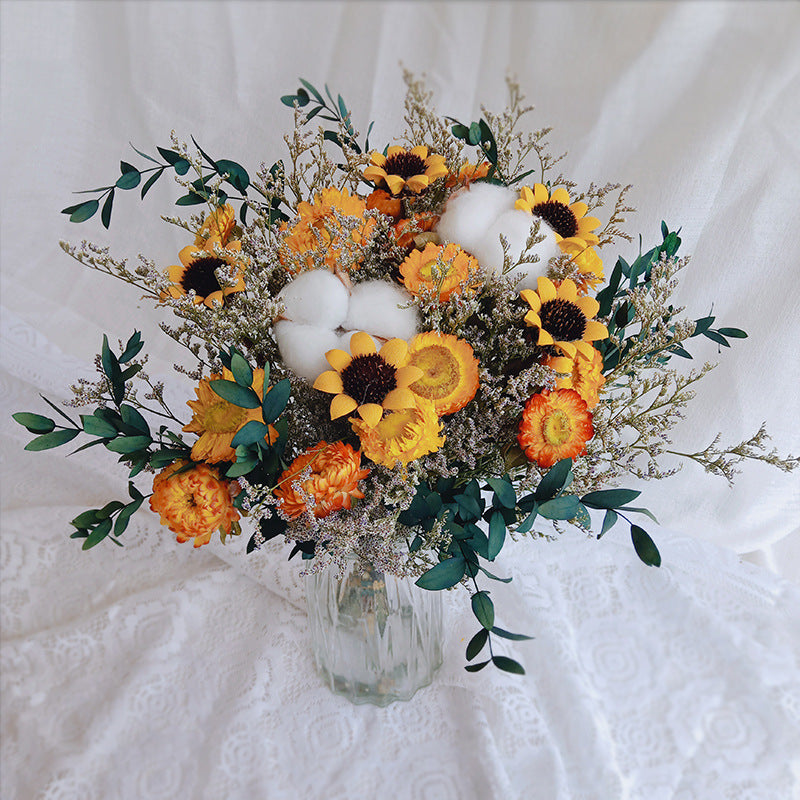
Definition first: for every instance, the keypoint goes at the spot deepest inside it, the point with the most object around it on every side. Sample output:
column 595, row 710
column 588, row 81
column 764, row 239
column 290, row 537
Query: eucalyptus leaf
column 476, row 667
column 35, row 423
column 275, row 400
column 242, row 372
column 445, row 574
column 250, row 433
column 476, row 643
column 609, row 520
column 84, row 211
column 129, row 180
column 609, row 498
column 555, row 480
column 504, row 491
column 128, row 444
column 508, row 665
column 96, row 426
column 54, row 439
column 565, row 507
column 497, row 534
column 483, row 609
column 237, row 395
column 645, row 547
column 515, row 637
column 97, row 535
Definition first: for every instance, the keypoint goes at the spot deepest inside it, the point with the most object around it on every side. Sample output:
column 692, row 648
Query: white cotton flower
column 321, row 314
column 375, row 307
column 476, row 217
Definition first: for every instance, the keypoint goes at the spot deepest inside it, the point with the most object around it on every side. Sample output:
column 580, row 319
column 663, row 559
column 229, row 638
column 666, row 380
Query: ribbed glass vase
column 376, row 638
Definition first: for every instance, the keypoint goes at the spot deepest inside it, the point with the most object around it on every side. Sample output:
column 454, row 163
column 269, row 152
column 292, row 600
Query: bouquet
column 411, row 352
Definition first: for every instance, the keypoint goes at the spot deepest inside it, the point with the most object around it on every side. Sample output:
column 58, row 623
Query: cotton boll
column 469, row 213
column 303, row 347
column 374, row 308
column 316, row 298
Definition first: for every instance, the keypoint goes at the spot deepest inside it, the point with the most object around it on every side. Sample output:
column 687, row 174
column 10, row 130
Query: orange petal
column 394, row 352
column 361, row 344
column 338, row 359
column 546, row 289
column 330, row 382
column 342, row 404
column 561, row 364
column 371, row 413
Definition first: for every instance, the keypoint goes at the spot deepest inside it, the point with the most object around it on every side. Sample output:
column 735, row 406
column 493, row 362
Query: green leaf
column 715, row 337
column 476, row 643
column 445, row 574
column 515, row 637
column 122, row 520
column 560, row 507
column 235, row 394
column 83, row 211
column 497, row 534
column 475, row 667
column 54, row 439
column 97, row 535
column 166, row 456
column 238, row 174
column 143, row 155
column 508, row 665
column 733, row 333
column 527, row 523
column 555, row 480
column 645, row 547
column 470, row 508
column 86, row 518
column 109, row 508
column 317, row 95
column 35, row 423
column 275, row 400
column 504, row 491
column 483, row 609
column 130, row 416
column 644, row 511
column 242, row 468
column 493, row 577
column 112, row 371
column 105, row 214
column 96, row 426
column 181, row 166
column 191, row 199
column 609, row 520
column 250, row 433
column 128, row 444
column 150, row 181
column 132, row 348
column 609, row 498
column 129, row 180
column 169, row 156
column 242, row 372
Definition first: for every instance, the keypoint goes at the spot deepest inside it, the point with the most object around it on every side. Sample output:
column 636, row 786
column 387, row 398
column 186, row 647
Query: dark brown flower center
column 199, row 276
column 558, row 216
column 405, row 165
column 563, row 320
column 368, row 379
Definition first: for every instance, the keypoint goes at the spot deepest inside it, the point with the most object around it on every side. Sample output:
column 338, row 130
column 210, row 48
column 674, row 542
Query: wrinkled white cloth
column 157, row 671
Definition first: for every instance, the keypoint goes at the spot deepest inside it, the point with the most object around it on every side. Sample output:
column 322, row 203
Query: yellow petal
column 338, row 359
column 418, row 182
column 398, row 399
column 588, row 305
column 330, row 382
column 521, row 205
column 394, row 352
column 544, row 337
column 560, row 195
column 546, row 289
column 561, row 364
column 569, row 348
column 579, row 209
column 540, row 193
column 395, row 183
column 342, row 404
column 378, row 158
column 375, row 174
column 407, row 375
column 531, row 298
column 585, row 349
column 567, row 290
column 586, row 224
column 189, row 254
column 394, row 150
column 533, row 319
column 175, row 272
column 526, row 195
column 595, row 331
column 361, row 344
column 371, row 413
column 420, row 151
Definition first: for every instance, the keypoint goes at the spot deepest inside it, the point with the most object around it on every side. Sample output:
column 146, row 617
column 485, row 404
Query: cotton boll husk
column 375, row 308
column 303, row 347
column 471, row 212
column 316, row 298
column 515, row 226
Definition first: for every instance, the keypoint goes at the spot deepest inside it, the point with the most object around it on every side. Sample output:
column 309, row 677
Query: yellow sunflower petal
column 595, row 331
column 569, row 348
column 394, row 150
column 175, row 272
column 407, row 375
column 526, row 195
column 561, row 364
column 371, row 413
column 587, row 224
column 588, row 305
column 342, row 404
column 420, row 151
column 560, row 195
column 584, row 348
column 533, row 319
column 418, row 182
column 546, row 289
column 531, row 298
column 361, row 344
column 394, row 352
column 540, row 193
column 579, row 209
column 378, row 158
column 544, row 337
column 330, row 382
column 399, row 399
column 395, row 183
column 338, row 359
column 375, row 174
column 568, row 291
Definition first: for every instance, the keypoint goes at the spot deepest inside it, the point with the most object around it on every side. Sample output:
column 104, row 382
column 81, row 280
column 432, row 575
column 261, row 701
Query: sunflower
column 588, row 262
column 584, row 375
column 401, row 169
column 569, row 221
column 555, row 425
column 454, row 268
column 317, row 226
column 193, row 502
column 369, row 381
column 449, row 370
column 217, row 421
column 197, row 272
column 563, row 319
column 333, row 483
column 401, row 436
column 219, row 224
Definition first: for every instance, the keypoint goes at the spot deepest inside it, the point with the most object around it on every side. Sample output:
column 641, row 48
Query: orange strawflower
column 449, row 370
column 454, row 268
column 193, row 503
column 555, row 425
column 584, row 375
column 333, row 483
column 217, row 421
column 218, row 224
column 313, row 233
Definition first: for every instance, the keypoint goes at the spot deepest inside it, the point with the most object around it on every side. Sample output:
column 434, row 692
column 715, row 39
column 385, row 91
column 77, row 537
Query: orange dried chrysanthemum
column 455, row 266
column 333, row 483
column 193, row 503
column 584, row 375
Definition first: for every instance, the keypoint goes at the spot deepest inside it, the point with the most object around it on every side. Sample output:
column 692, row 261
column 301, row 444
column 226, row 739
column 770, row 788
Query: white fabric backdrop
column 697, row 105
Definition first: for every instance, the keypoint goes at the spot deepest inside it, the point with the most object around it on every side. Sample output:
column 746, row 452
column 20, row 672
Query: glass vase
column 376, row 638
